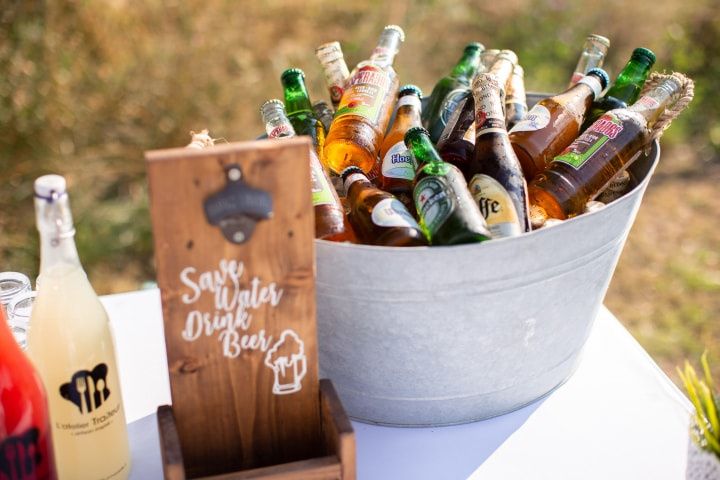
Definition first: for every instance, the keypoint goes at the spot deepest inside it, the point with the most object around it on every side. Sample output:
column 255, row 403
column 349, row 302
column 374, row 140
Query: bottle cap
column 594, row 37
column 644, row 54
column 397, row 29
column 271, row 106
column 474, row 46
column 601, row 75
column 292, row 72
column 410, row 89
column 415, row 132
column 349, row 171
column 49, row 187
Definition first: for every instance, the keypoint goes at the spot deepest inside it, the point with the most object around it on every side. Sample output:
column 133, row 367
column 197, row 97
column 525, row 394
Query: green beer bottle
column 626, row 88
column 450, row 90
column 448, row 214
column 300, row 110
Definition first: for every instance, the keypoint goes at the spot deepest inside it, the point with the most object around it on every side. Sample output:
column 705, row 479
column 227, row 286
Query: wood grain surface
column 223, row 319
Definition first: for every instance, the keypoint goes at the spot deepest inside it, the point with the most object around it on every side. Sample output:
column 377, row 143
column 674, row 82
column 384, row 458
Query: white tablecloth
column 618, row 417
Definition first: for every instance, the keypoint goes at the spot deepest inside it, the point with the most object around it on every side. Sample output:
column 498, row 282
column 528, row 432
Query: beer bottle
column 592, row 56
column 457, row 142
column 71, row 345
column 324, row 113
column 448, row 91
column 595, row 158
column 377, row 217
column 365, row 108
column 299, row 109
column 626, row 88
column 26, row 450
column 554, row 122
column 330, row 221
column 498, row 185
column 487, row 58
column 502, row 69
column 515, row 103
column 336, row 70
column 448, row 214
column 398, row 165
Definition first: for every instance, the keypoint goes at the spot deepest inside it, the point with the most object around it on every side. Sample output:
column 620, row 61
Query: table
column 617, row 417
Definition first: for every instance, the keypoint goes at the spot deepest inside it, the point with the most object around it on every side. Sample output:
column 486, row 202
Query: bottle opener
column 238, row 207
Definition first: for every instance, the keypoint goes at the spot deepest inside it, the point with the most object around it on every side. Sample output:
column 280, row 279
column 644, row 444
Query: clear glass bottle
column 592, row 56
column 71, row 345
column 364, row 112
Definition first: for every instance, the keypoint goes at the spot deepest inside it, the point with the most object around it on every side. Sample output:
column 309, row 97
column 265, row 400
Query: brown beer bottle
column 330, row 221
column 515, row 101
column 457, row 142
column 377, row 217
column 397, row 163
column 554, row 122
column 498, row 185
column 365, row 108
column 591, row 162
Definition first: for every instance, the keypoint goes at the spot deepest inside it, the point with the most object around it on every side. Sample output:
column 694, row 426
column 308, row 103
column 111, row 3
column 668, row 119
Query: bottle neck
column 296, row 95
column 277, row 124
column 408, row 111
column 630, row 81
column 387, row 48
column 652, row 105
column 588, row 87
column 467, row 66
column 422, row 149
column 355, row 178
column 57, row 236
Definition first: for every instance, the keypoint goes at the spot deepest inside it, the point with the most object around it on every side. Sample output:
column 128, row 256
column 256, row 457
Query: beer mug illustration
column 288, row 362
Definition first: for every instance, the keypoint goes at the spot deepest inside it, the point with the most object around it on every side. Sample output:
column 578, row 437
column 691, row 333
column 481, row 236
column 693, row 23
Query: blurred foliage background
column 87, row 86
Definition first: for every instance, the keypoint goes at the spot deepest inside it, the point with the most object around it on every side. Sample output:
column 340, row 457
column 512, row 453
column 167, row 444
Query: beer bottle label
column 409, row 100
column 489, row 115
column 434, row 202
column 365, row 95
column 604, row 129
column 321, row 193
column 451, row 103
column 538, row 117
column 399, row 162
column 390, row 212
column 496, row 206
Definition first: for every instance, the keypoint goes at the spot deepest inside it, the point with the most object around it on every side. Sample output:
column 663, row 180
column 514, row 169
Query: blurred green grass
column 87, row 86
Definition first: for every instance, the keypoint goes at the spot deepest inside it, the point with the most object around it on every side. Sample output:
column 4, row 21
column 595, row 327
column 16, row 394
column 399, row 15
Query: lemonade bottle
column 72, row 347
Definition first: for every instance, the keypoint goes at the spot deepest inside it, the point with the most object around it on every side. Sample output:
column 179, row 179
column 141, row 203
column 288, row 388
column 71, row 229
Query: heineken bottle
column 300, row 110
column 448, row 214
column 450, row 90
column 626, row 88
column 609, row 146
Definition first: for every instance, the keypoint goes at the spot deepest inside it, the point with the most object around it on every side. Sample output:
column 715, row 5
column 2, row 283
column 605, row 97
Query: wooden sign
column 233, row 228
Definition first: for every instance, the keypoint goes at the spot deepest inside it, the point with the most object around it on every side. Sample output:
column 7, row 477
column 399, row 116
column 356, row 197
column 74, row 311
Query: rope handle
column 687, row 92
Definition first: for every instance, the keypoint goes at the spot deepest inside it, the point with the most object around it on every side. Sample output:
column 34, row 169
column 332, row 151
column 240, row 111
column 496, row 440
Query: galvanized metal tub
column 446, row 335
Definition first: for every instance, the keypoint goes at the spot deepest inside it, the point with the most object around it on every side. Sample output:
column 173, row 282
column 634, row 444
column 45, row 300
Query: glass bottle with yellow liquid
column 72, row 347
column 364, row 112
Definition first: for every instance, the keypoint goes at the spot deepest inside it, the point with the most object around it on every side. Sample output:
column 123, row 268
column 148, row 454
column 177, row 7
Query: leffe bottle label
column 489, row 115
column 538, row 117
column 365, row 94
column 321, row 193
column 605, row 129
column 390, row 212
column 496, row 206
column 399, row 162
column 434, row 202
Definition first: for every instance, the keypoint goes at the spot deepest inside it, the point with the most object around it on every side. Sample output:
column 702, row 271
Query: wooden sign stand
column 233, row 228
